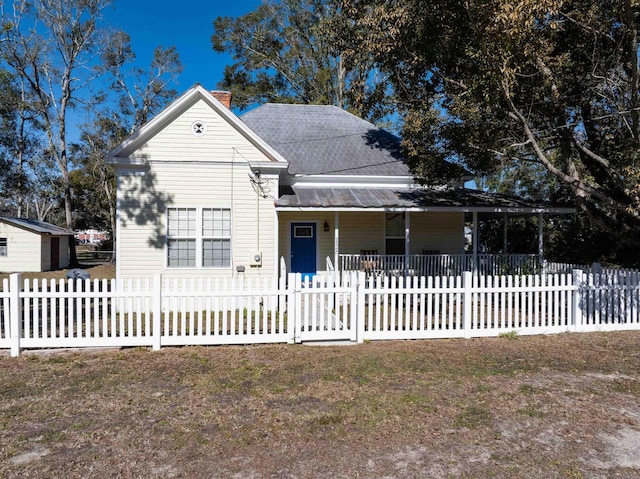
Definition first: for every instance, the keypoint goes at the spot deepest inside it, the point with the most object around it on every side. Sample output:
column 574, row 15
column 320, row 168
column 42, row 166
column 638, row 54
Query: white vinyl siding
column 208, row 171
column 220, row 142
column 434, row 231
column 362, row 231
column 142, row 237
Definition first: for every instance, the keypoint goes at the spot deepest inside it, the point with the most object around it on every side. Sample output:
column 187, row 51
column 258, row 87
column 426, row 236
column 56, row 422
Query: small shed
column 31, row 245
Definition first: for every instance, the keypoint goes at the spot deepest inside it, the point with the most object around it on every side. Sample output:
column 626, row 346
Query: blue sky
column 187, row 26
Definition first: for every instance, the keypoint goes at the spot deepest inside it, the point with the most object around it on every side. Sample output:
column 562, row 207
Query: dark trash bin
column 78, row 273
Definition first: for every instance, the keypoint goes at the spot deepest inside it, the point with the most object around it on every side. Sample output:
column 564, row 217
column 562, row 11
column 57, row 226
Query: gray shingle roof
column 450, row 198
column 320, row 139
column 37, row 226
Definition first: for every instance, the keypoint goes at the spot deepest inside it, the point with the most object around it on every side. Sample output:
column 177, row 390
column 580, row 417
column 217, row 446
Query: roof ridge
column 301, row 104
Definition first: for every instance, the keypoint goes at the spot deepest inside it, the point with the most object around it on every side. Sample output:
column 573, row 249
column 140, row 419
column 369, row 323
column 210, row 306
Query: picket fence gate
column 351, row 307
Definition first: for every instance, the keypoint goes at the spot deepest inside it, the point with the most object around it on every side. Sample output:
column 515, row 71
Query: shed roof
column 324, row 139
column 37, row 226
column 426, row 199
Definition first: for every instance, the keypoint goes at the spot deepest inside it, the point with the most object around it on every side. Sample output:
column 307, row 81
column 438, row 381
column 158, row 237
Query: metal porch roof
column 302, row 197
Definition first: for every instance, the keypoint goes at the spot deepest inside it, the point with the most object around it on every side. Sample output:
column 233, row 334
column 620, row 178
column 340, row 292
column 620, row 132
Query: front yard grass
column 99, row 271
column 525, row 407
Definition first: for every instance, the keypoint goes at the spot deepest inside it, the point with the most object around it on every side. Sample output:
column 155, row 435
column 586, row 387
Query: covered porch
column 412, row 232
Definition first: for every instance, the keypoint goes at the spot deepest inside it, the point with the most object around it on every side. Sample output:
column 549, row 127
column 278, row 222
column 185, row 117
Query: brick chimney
column 223, row 97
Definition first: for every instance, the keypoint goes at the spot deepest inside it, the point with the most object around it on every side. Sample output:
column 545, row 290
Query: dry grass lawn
column 564, row 406
column 95, row 271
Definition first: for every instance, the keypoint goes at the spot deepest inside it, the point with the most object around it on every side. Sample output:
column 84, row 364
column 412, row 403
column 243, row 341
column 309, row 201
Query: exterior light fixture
column 326, row 226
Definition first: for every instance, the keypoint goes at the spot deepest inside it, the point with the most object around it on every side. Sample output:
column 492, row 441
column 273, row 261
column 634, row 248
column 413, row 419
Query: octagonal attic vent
column 198, row 127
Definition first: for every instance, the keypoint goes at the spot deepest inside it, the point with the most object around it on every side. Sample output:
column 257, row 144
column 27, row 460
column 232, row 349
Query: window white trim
column 217, row 232
column 198, row 236
column 182, row 230
column 300, row 231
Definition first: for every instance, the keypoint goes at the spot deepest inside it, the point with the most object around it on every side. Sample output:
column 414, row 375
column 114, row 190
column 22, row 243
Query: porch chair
column 368, row 263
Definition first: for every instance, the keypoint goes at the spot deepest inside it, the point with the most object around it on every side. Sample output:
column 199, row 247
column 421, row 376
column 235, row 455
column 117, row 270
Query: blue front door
column 303, row 249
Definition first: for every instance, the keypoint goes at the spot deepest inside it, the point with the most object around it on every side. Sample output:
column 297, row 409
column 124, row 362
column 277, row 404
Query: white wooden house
column 205, row 193
column 31, row 245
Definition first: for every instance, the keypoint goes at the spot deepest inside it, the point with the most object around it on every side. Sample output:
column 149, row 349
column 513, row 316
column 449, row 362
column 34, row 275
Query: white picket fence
column 348, row 307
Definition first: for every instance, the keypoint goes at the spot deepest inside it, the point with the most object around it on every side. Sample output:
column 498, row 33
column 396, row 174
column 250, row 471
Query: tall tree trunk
column 64, row 169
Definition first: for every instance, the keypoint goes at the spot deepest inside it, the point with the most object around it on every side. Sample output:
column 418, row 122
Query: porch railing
column 441, row 264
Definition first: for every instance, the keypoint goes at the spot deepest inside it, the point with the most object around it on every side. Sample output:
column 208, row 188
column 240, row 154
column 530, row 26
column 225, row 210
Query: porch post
column 407, row 241
column 276, row 243
column 336, row 240
column 475, row 242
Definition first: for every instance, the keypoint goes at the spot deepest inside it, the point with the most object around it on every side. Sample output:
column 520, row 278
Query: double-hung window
column 3, row 246
column 199, row 237
column 216, row 237
column 181, row 237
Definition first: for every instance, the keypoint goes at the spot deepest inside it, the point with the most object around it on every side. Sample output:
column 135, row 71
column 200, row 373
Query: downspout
column 233, row 215
column 336, row 241
column 258, row 223
column 276, row 242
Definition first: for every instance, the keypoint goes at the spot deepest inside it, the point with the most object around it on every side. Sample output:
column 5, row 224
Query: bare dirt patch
column 553, row 407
